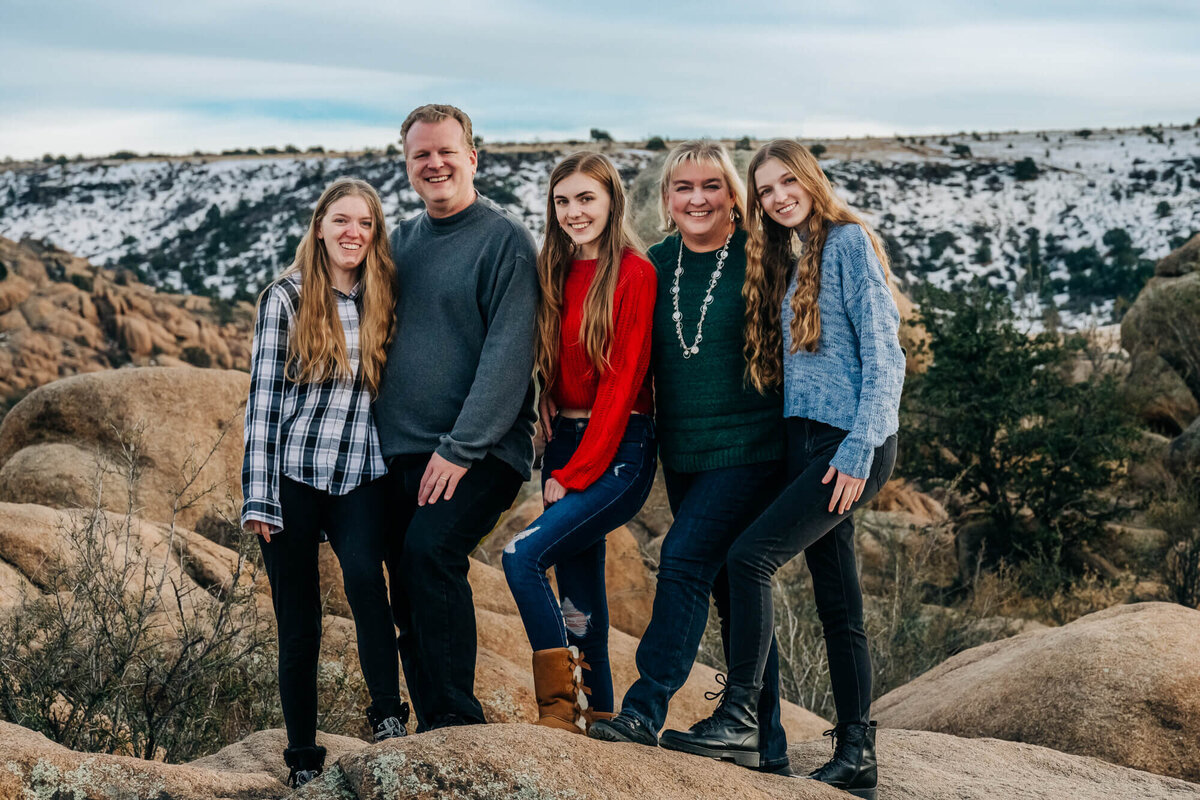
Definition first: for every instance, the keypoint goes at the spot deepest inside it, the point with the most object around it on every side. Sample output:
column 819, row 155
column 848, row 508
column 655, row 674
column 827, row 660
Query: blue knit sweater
column 853, row 380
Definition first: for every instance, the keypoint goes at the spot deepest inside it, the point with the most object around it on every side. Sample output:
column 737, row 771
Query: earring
column 732, row 215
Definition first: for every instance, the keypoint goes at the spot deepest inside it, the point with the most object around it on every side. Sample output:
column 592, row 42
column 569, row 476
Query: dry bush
column 912, row 623
column 125, row 654
column 1178, row 513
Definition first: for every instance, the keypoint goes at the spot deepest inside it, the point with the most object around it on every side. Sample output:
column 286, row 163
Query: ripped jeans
column 569, row 536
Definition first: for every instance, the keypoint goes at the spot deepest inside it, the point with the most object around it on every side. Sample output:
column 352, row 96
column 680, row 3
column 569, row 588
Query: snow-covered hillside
column 1063, row 220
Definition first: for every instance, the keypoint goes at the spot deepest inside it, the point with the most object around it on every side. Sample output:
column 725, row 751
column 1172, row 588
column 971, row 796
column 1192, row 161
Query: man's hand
column 259, row 527
column 846, row 491
column 547, row 408
column 440, row 479
column 553, row 492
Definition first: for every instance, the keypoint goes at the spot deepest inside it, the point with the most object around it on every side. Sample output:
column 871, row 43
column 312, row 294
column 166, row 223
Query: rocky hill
column 61, row 316
column 1068, row 221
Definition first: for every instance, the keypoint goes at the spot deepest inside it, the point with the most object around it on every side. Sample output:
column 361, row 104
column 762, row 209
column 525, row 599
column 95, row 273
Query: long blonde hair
column 770, row 252
column 700, row 151
column 554, row 260
column 317, row 345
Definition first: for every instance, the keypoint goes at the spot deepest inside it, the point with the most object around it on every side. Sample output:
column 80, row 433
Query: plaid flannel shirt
column 320, row 434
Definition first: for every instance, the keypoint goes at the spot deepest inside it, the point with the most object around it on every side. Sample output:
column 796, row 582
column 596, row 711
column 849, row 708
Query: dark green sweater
column 707, row 417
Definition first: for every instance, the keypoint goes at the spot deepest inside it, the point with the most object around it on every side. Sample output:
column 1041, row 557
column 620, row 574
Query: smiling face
column 440, row 166
column 780, row 193
column 581, row 204
column 347, row 230
column 700, row 199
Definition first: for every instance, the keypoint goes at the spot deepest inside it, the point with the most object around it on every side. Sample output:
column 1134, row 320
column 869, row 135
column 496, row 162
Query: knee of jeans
column 519, row 560
column 423, row 555
column 362, row 579
column 742, row 562
column 300, row 636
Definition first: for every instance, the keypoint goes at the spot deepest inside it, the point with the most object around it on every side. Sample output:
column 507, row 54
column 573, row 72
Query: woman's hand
column 552, row 492
column 259, row 527
column 547, row 409
column 846, row 491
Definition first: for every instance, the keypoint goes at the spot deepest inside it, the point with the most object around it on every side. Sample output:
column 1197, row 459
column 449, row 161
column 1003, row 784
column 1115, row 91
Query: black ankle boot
column 731, row 733
column 387, row 718
column 852, row 768
column 304, row 764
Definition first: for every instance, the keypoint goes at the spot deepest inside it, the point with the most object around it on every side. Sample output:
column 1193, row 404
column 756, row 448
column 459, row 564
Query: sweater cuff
column 455, row 453
column 853, row 459
column 262, row 511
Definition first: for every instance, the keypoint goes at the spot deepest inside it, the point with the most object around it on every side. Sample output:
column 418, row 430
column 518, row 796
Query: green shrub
column 998, row 417
column 196, row 356
column 1025, row 169
column 656, row 143
column 743, row 143
column 817, row 149
column 82, row 282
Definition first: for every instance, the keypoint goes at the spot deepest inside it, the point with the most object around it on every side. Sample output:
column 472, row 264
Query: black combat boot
column 623, row 728
column 387, row 718
column 852, row 768
column 730, row 734
column 304, row 764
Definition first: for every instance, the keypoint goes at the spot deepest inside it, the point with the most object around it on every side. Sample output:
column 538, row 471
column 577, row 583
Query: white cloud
column 102, row 131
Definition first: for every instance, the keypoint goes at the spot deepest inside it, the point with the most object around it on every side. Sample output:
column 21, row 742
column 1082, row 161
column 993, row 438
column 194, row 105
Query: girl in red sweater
column 594, row 318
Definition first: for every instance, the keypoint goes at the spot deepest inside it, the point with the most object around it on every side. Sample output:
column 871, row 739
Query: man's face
column 440, row 166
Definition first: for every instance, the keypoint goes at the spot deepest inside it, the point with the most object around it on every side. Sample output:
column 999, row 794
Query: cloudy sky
column 85, row 76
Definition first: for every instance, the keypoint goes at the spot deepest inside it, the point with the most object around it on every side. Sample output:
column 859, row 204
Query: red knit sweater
column 625, row 387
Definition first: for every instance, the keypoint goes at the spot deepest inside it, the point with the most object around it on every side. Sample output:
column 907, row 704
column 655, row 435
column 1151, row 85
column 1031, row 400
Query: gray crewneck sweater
column 459, row 371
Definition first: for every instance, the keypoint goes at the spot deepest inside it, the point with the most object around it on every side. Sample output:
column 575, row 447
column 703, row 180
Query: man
column 456, row 409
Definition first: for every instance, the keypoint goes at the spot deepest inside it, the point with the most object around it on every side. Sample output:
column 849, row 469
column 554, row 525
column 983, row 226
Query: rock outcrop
column 32, row 766
column 70, row 437
column 61, row 316
column 918, row 765
column 1121, row 685
column 1162, row 324
column 526, row 761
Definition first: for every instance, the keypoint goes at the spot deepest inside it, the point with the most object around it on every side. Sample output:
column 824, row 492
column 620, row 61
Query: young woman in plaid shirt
column 313, row 457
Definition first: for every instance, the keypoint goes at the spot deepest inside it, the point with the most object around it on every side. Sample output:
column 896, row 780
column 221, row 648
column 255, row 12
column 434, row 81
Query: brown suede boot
column 558, row 684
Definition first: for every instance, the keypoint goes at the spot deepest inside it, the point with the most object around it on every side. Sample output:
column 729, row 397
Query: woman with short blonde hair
column 721, row 442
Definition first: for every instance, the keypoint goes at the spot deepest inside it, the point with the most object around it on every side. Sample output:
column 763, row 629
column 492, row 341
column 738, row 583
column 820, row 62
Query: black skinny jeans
column 354, row 523
column 800, row 519
column 431, row 598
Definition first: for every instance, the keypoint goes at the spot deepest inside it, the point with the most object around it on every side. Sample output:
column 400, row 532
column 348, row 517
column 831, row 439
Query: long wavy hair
column 771, row 250
column 317, row 345
column 556, row 255
column 700, row 151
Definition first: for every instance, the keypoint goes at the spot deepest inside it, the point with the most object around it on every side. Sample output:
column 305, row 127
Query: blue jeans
column 569, row 536
column 800, row 519
column 711, row 508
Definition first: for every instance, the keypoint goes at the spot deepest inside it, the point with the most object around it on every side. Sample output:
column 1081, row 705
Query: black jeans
column 711, row 508
column 431, row 598
column 355, row 525
column 799, row 519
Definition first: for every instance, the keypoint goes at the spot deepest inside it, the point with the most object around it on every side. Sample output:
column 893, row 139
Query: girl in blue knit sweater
column 820, row 320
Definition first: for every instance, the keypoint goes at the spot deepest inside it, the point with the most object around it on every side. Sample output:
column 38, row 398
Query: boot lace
column 714, row 719
column 302, row 776
column 390, row 728
column 720, row 693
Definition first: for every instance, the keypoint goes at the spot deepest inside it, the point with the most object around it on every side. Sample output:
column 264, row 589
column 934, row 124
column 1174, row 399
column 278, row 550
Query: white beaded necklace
column 694, row 347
